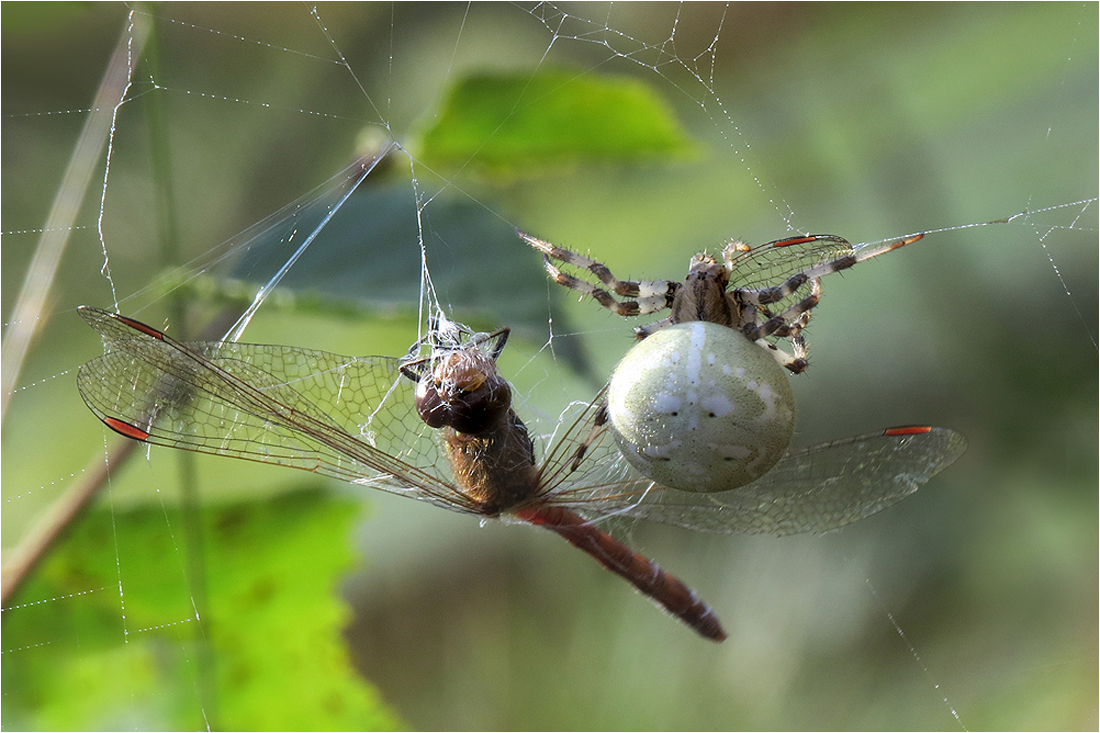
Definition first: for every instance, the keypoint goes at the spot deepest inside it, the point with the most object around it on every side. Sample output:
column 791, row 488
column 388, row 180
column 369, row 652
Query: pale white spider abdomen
column 698, row 407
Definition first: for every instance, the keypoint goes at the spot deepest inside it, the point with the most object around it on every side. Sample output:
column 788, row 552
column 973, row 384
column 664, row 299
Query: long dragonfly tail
column 644, row 574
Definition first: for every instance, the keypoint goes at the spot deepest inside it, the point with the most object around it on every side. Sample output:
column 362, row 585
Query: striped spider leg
column 767, row 292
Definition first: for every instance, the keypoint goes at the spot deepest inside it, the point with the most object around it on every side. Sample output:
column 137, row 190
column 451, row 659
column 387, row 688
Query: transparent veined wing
column 351, row 418
column 772, row 263
column 815, row 489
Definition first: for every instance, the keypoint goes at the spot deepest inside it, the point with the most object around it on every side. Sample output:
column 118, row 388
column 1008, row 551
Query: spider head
column 705, row 267
column 703, row 295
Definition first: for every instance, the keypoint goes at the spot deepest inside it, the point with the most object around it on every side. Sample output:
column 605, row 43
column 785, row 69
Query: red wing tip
column 136, row 325
column 139, row 326
column 907, row 240
column 125, row 428
column 908, row 430
column 795, row 240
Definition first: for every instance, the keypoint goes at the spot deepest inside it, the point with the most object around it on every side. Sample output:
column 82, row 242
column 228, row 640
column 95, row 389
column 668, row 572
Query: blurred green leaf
column 31, row 18
column 267, row 655
column 512, row 122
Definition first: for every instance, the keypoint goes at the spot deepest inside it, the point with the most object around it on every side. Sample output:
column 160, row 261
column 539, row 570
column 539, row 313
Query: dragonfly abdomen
column 666, row 590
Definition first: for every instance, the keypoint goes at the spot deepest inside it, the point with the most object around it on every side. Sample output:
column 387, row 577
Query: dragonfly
column 437, row 425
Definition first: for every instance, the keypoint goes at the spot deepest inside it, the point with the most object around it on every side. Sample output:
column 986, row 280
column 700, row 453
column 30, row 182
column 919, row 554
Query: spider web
column 973, row 125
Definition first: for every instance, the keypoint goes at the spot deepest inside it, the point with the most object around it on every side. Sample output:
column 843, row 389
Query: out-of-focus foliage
column 572, row 117
column 268, row 655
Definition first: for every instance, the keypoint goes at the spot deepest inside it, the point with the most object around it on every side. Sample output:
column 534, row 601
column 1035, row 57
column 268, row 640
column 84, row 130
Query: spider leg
column 793, row 328
column 648, row 330
column 648, row 296
column 637, row 307
column 795, row 362
column 787, row 324
column 783, row 321
column 730, row 252
column 799, row 361
column 625, row 288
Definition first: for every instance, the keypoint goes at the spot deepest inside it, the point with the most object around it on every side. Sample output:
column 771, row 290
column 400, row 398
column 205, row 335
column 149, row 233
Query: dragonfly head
column 464, row 391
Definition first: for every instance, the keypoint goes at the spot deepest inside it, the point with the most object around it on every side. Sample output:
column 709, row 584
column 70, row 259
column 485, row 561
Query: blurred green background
column 326, row 606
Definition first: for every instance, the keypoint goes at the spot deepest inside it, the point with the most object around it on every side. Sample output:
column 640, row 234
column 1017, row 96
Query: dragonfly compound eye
column 483, row 409
column 698, row 407
column 429, row 405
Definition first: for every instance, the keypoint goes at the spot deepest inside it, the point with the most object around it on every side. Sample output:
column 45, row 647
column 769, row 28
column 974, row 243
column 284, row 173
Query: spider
column 765, row 292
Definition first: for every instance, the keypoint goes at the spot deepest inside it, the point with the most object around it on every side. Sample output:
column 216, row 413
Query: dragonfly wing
column 769, row 264
column 816, row 489
column 345, row 417
column 772, row 263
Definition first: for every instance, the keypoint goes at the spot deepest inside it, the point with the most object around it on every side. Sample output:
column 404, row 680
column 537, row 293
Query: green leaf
column 112, row 640
column 521, row 122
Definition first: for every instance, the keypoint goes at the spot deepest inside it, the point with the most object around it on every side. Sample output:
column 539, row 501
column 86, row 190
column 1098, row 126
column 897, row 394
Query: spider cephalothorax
column 765, row 292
